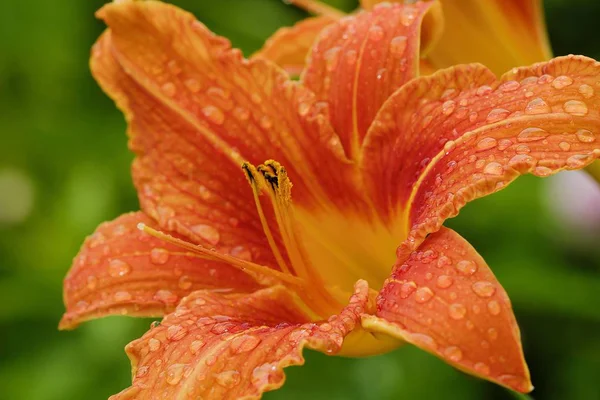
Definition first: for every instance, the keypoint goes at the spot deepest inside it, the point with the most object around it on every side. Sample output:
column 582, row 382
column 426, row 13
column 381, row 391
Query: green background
column 64, row 168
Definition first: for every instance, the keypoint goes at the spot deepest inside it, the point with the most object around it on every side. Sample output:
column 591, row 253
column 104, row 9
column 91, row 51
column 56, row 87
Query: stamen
column 216, row 256
column 271, row 178
column 317, row 8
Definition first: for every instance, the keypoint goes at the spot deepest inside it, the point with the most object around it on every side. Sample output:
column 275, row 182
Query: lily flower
column 353, row 260
column 501, row 34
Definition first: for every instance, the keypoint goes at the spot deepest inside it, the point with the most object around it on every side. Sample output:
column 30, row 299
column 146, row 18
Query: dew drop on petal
column 423, row 294
column 482, row 368
column 166, row 296
column 241, row 252
column 537, row 106
column 176, row 332
column 228, row 379
column 175, row 373
column 532, row 135
column 453, row 353
column 92, row 282
column 493, row 307
column 586, row 91
column 576, row 107
column 562, row 82
column 486, row 144
column 196, row 345
column 153, row 344
column 117, row 268
column 494, row 168
column 122, row 296
column 444, row 281
column 457, row 311
column 398, row 45
column 564, row 146
column 261, row 374
column 193, row 85
column 497, row 114
column 169, row 89
column 448, row 107
column 466, row 267
column 207, row 232
column 214, row 114
column 159, row 256
column 184, row 282
column 406, row 289
column 483, row 288
column 585, row 136
column 492, row 333
column 376, row 33
column 244, row 343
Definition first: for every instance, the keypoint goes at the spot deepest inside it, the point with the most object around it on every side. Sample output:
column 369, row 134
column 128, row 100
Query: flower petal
column 232, row 346
column 289, row 46
column 197, row 110
column 501, row 34
column 121, row 270
column 406, row 133
column 540, row 120
column 360, row 60
column 445, row 300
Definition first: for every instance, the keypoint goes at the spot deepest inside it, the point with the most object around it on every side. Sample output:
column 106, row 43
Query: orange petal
column 410, row 130
column 221, row 346
column 501, row 34
column 288, row 47
column 121, row 270
column 197, row 110
column 359, row 61
column 445, row 300
column 540, row 120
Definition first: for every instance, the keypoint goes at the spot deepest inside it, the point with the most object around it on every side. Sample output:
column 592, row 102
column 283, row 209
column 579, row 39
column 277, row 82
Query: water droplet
column 241, row 113
column 576, row 107
column 196, row 345
column 483, row 288
column 443, row 261
column 504, row 144
column 521, row 160
column 457, row 311
column 142, row 371
column 92, row 282
column 564, row 146
column 117, row 268
column 159, row 256
column 406, row 289
column 448, row 107
column 228, row 379
column 537, row 106
column 486, row 144
column 483, row 90
column 376, row 33
column 497, row 114
column 532, row 135
column 494, row 168
column 241, row 252
column 577, row 161
column 423, row 294
column 351, row 57
column 408, row 16
column 331, row 58
column 492, row 333
column 185, row 282
column 509, row 86
column 153, row 344
column 562, row 82
column 542, row 171
column 244, row 343
column 175, row 373
column 166, row 297
column 585, row 136
column 262, row 374
column 421, row 339
column 472, row 116
column 193, row 85
column 265, row 122
column 303, row 109
column 214, row 114
column 208, row 233
column 169, row 89
column 466, row 267
column 493, row 307
column 586, row 90
column 122, row 296
column 398, row 45
column 453, row 353
column 444, row 281
column 176, row 332
column 482, row 368
column 325, row 327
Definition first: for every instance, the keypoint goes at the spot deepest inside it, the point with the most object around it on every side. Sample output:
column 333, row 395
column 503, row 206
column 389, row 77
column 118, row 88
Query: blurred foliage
column 64, row 168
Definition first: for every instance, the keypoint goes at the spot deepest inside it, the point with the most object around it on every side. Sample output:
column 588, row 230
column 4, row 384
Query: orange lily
column 249, row 273
column 501, row 34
